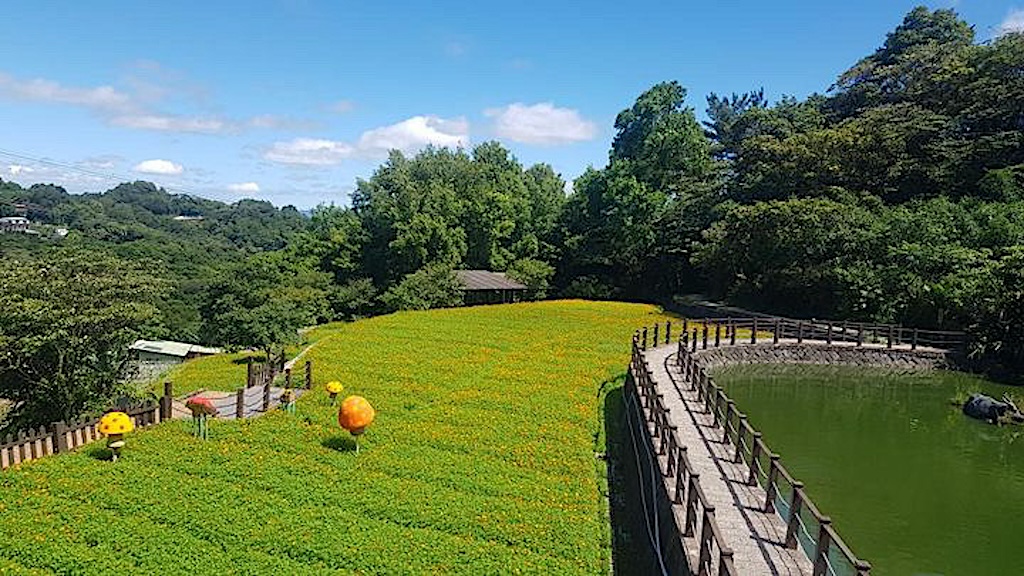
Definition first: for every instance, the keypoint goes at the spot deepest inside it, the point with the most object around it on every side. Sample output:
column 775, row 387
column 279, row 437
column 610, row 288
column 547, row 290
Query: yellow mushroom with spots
column 334, row 388
column 114, row 425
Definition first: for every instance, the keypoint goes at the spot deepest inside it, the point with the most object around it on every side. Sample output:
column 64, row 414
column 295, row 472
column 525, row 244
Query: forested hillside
column 896, row 194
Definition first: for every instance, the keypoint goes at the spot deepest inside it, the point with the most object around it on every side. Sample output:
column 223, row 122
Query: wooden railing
column 695, row 517
column 708, row 332
column 806, row 527
column 63, row 436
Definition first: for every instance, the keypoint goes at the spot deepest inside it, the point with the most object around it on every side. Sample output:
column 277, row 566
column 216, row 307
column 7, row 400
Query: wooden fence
column 807, row 527
column 694, row 517
column 717, row 331
column 61, row 437
column 65, row 436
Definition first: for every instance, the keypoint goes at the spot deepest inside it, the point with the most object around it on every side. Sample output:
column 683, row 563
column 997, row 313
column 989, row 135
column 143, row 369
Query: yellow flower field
column 481, row 460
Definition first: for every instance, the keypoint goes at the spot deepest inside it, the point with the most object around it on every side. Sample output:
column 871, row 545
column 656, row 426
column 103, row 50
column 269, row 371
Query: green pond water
column 911, row 484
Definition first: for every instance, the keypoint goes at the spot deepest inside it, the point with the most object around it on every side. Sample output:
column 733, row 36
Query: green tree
column 434, row 286
column 64, row 335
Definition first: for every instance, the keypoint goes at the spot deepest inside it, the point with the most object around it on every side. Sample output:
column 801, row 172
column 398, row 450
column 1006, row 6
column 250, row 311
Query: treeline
column 896, row 195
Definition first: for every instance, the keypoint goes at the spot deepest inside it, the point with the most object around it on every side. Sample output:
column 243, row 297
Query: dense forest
column 895, row 195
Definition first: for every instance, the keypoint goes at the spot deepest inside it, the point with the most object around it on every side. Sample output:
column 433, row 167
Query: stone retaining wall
column 822, row 353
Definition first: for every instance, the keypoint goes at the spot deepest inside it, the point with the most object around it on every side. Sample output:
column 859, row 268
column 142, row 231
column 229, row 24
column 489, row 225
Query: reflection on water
column 911, row 484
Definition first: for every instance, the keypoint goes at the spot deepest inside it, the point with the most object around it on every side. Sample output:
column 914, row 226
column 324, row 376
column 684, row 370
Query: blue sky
column 292, row 100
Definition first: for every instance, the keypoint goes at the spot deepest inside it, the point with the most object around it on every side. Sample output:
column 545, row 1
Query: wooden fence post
column 913, row 340
column 753, row 331
column 888, row 341
column 60, row 436
column 287, row 377
column 240, row 404
column 860, row 334
column 644, row 344
column 309, row 374
column 755, row 455
column 741, row 420
column 800, row 332
column 821, row 551
column 793, row 523
column 732, row 332
column 656, row 338
column 828, row 335
column 704, row 337
column 266, row 396
column 772, row 488
column 248, row 372
column 167, row 401
column 718, row 335
column 668, row 332
column 704, row 556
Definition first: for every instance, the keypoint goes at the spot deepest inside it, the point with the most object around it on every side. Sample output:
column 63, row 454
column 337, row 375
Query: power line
column 109, row 176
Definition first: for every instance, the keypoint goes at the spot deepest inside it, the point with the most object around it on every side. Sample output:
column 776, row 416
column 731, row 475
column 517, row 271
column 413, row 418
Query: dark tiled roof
column 487, row 280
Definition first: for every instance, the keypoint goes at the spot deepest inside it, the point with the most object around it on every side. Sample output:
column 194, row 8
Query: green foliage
column 263, row 301
column 66, row 326
column 535, row 274
column 434, row 286
column 354, row 299
column 450, row 208
column 481, row 467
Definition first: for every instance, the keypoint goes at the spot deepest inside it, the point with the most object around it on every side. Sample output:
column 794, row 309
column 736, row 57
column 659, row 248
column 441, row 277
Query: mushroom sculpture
column 334, row 388
column 288, row 400
column 355, row 415
column 201, row 408
column 114, row 425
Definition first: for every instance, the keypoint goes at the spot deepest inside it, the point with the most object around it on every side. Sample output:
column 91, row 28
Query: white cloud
column 309, row 152
column 244, row 187
column 104, row 98
column 341, row 106
column 135, row 108
column 541, row 123
column 1014, row 22
column 164, row 167
column 415, row 133
column 170, row 123
column 16, row 169
column 408, row 136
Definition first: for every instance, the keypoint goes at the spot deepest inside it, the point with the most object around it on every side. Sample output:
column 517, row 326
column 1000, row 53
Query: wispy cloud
column 341, row 106
column 543, row 124
column 409, row 136
column 1014, row 22
column 244, row 187
column 138, row 108
column 161, row 167
column 309, row 152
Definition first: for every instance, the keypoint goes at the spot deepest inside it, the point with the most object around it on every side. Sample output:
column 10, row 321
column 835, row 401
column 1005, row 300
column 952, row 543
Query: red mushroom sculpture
column 201, row 408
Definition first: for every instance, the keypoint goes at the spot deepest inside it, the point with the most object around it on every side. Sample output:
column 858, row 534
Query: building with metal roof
column 486, row 287
column 166, row 350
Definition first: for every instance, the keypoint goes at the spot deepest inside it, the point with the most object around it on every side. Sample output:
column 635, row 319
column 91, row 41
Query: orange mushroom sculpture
column 355, row 415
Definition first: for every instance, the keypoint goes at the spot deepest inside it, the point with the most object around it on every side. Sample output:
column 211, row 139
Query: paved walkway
column 225, row 402
column 755, row 537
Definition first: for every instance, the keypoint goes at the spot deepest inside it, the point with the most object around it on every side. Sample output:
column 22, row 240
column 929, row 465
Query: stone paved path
column 225, row 402
column 755, row 537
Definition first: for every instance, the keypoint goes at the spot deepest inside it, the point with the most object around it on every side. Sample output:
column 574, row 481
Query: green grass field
column 481, row 461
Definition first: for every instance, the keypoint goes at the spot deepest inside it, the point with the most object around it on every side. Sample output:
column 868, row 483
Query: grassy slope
column 481, row 461
column 226, row 372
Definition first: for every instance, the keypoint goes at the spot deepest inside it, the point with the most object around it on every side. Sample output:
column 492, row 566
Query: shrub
column 433, row 286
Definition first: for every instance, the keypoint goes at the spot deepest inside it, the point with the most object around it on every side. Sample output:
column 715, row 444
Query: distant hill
column 141, row 222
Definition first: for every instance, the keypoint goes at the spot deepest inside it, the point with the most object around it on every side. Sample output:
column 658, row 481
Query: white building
column 14, row 224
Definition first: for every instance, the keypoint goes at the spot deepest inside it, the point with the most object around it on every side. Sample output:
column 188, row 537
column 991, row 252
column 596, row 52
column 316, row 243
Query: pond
column 911, row 484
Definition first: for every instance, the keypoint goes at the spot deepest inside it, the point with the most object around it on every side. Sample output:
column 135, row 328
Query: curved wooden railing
column 716, row 331
column 681, row 482
column 806, row 527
